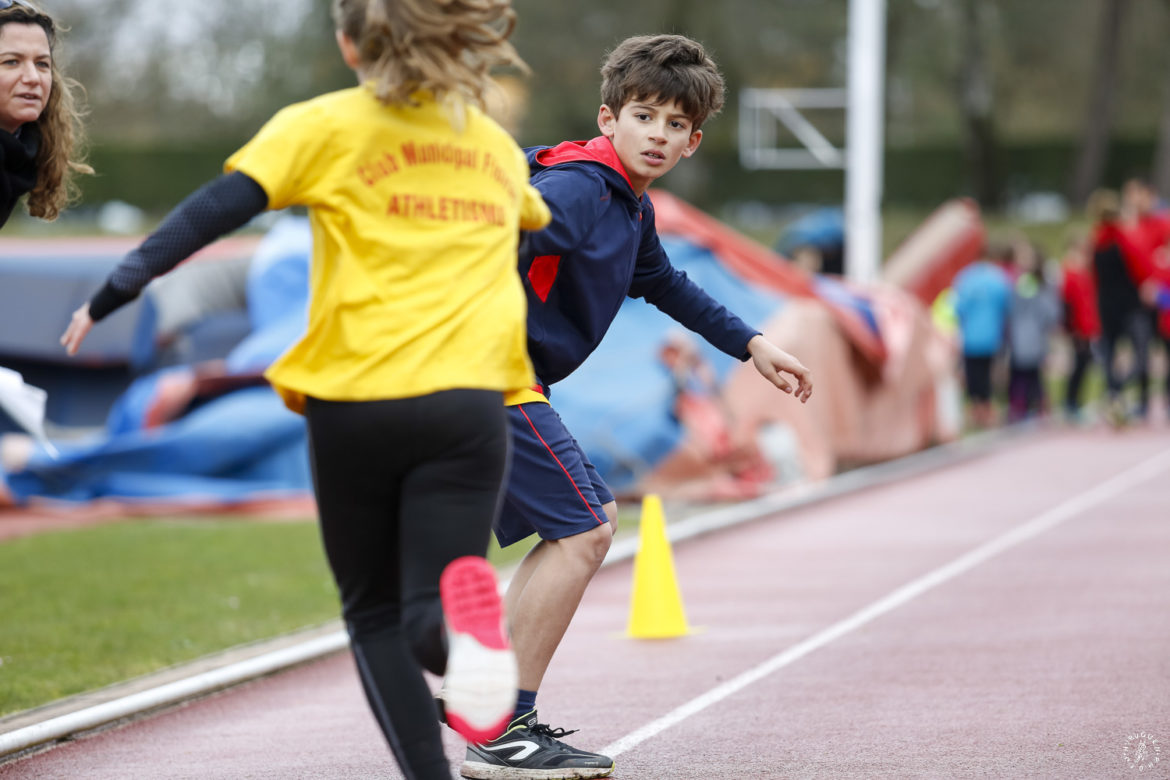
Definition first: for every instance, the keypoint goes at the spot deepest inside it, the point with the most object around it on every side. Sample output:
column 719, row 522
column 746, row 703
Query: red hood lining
column 598, row 150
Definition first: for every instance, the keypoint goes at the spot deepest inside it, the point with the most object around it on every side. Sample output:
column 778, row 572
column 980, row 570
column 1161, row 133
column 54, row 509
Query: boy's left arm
column 673, row 293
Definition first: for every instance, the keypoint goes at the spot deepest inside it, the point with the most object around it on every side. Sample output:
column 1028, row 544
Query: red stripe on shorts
column 562, row 465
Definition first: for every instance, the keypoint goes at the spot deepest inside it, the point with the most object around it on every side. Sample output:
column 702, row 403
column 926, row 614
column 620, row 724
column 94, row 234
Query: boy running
column 600, row 247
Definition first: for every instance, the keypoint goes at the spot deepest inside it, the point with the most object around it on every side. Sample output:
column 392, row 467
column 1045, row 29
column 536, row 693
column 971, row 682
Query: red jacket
column 1161, row 275
column 1154, row 232
column 1138, row 259
column 1080, row 300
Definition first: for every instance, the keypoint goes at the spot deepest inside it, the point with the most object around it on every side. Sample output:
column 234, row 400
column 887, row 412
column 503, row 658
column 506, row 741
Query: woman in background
column 40, row 127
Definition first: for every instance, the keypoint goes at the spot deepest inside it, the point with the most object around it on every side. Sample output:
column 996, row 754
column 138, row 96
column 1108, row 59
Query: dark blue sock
column 525, row 703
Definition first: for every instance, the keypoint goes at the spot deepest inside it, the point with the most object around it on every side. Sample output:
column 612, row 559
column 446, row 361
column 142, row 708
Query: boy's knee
column 591, row 547
column 611, row 513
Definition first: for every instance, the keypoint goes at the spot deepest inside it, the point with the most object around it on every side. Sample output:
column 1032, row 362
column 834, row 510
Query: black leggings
column 403, row 488
column 1082, row 359
column 1138, row 327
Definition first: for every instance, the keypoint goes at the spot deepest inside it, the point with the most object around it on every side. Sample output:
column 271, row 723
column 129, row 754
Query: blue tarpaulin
column 619, row 403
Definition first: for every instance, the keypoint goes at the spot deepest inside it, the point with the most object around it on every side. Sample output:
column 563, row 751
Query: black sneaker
column 530, row 750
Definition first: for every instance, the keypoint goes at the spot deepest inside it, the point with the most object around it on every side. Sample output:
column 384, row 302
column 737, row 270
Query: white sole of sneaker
column 475, row 770
column 480, row 684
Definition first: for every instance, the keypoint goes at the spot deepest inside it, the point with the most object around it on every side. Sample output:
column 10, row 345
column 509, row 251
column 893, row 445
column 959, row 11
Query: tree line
column 981, row 75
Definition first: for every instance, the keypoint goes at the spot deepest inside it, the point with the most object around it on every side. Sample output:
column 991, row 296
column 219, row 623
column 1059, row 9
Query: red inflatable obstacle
column 759, row 265
column 886, row 380
column 926, row 262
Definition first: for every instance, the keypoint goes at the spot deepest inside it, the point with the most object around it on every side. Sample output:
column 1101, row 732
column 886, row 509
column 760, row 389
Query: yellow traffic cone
column 656, row 609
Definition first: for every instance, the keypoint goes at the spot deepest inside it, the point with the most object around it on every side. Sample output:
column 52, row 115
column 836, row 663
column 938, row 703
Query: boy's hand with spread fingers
column 773, row 362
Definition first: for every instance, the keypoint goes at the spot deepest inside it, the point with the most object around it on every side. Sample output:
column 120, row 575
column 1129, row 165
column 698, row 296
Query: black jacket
column 18, row 166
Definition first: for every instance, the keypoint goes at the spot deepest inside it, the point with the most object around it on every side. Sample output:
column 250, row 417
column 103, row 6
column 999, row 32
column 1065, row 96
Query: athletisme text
column 445, row 209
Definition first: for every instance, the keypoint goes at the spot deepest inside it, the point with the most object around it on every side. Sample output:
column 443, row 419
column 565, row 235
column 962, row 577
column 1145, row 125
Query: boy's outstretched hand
column 773, row 362
column 78, row 329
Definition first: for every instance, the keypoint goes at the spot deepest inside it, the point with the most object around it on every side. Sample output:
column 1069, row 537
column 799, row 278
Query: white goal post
column 761, row 111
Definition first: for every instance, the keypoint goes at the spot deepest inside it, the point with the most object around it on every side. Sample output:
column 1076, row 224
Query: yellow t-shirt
column 525, row 395
column 413, row 287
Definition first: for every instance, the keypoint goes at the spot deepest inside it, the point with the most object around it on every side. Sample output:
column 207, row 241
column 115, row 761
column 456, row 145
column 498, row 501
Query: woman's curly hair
column 61, row 152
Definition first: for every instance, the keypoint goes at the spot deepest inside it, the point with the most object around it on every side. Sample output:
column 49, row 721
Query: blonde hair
column 446, row 47
column 61, row 152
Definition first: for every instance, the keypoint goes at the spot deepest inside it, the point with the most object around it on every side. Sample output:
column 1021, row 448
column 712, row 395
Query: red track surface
column 1040, row 659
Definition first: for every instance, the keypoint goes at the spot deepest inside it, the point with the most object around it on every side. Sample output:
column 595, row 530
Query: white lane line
column 1072, row 507
column 199, row 684
column 171, row 693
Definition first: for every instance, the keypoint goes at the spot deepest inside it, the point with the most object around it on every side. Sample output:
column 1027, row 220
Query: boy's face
column 650, row 138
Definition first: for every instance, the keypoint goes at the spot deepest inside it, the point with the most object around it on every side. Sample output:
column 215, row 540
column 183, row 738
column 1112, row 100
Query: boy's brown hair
column 663, row 68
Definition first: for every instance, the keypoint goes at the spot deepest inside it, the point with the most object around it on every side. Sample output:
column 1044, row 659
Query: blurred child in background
column 1120, row 267
column 1033, row 316
column 1082, row 321
column 1149, row 227
column 982, row 296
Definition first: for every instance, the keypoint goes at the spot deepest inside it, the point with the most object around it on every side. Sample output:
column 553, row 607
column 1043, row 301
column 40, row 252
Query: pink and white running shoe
column 479, row 689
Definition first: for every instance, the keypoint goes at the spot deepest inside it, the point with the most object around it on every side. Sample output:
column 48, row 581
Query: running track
column 1004, row 617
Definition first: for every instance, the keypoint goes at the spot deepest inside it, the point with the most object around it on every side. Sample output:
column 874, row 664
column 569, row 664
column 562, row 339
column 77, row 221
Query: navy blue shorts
column 553, row 489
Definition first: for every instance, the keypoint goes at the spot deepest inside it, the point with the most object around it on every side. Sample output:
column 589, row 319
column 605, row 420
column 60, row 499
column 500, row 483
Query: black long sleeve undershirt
column 217, row 208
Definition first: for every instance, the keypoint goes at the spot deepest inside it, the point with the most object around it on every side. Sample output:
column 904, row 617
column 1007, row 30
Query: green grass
column 90, row 607
column 86, row 608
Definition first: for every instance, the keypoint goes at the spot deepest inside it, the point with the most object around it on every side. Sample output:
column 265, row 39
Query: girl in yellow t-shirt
column 416, row 329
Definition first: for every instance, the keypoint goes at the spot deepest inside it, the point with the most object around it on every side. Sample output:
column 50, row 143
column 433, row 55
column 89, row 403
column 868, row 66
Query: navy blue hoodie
column 600, row 247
